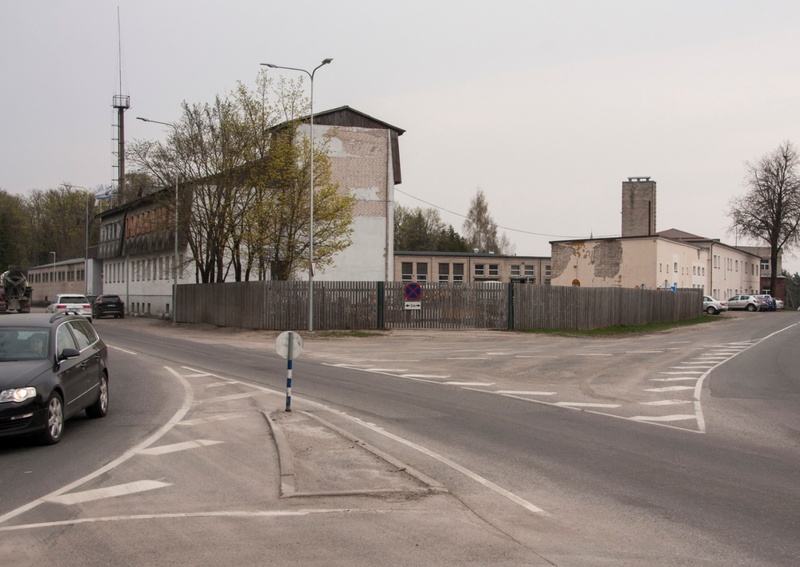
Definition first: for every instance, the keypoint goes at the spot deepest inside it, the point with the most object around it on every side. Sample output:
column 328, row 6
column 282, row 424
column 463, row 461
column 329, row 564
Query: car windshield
column 23, row 343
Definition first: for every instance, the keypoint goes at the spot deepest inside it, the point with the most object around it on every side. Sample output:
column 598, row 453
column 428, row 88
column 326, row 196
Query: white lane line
column 428, row 376
column 669, row 389
column 593, row 354
column 664, row 417
column 467, row 358
column 385, row 370
column 179, row 515
column 484, row 384
column 692, row 367
column 107, row 492
column 122, row 350
column 682, row 372
column 175, row 447
column 644, row 352
column 525, row 393
column 585, row 405
column 666, row 402
column 687, row 378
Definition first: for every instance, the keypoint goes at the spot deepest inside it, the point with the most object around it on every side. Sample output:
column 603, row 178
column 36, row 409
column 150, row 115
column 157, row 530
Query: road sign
column 286, row 340
column 413, row 291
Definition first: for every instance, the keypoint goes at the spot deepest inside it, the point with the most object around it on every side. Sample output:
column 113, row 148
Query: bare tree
column 770, row 210
column 480, row 230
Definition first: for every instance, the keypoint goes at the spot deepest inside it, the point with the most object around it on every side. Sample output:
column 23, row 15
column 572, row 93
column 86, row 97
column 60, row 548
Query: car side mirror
column 68, row 353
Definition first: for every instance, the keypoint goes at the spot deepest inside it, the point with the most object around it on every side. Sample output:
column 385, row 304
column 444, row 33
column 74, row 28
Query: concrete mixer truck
column 15, row 293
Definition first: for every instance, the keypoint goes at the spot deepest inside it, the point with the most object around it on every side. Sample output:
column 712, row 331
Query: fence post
column 510, row 307
column 381, row 303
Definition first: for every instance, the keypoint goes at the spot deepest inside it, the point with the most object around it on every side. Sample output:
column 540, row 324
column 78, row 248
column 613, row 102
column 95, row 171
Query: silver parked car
column 748, row 302
column 714, row 306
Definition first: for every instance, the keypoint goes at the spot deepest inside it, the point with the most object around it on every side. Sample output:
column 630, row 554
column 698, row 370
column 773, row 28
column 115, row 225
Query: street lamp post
column 311, row 196
column 175, row 260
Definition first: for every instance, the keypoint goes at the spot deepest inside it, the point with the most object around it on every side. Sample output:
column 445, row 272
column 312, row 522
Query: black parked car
column 52, row 367
column 108, row 305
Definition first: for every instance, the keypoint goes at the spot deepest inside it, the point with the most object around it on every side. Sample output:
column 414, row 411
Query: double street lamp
column 311, row 191
column 175, row 261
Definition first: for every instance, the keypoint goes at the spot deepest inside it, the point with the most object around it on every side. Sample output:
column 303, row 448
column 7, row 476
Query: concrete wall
column 638, row 207
column 361, row 163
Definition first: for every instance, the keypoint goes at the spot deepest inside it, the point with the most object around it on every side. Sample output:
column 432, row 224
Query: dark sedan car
column 52, row 367
column 108, row 305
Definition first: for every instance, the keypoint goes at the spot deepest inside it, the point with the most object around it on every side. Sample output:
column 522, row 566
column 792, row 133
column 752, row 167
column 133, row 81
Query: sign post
column 288, row 345
column 413, row 293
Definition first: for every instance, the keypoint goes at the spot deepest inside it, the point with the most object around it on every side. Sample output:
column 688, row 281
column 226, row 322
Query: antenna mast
column 121, row 103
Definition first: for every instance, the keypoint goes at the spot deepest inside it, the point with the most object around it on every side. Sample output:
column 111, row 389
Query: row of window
column 454, row 272
column 732, row 265
column 149, row 269
column 59, row 275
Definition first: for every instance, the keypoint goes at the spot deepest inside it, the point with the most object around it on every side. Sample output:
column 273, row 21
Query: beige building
column 644, row 258
column 468, row 267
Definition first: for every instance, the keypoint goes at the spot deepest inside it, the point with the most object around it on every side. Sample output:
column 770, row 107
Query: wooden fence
column 378, row 305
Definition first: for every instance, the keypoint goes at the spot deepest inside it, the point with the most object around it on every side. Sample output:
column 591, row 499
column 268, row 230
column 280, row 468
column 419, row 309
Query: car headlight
column 17, row 394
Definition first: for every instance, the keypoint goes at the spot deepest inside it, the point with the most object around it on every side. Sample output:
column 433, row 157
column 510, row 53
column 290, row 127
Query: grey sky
column 547, row 106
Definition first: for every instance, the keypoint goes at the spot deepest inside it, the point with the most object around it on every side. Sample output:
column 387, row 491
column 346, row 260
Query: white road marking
column 227, row 398
column 180, row 515
column 469, row 383
column 669, row 389
column 666, row 402
column 585, row 405
column 644, row 352
column 212, row 418
column 526, row 393
column 428, row 376
column 664, row 417
column 106, row 492
column 467, row 358
column 593, row 354
column 690, row 378
column 175, row 447
column 682, row 372
column 122, row 350
column 386, row 370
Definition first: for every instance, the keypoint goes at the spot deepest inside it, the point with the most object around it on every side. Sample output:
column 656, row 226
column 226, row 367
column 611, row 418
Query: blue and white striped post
column 289, row 345
column 289, row 376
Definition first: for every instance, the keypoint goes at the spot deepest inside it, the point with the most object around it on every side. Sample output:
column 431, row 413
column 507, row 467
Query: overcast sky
column 546, row 106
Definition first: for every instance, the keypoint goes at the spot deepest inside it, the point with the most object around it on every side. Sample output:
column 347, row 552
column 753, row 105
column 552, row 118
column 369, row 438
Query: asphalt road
column 678, row 448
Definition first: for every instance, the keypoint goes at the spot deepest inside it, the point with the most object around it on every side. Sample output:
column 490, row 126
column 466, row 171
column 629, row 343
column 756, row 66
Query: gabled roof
column 346, row 116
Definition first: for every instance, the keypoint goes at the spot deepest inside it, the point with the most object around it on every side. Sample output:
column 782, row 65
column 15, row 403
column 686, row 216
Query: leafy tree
column 15, row 231
column 480, row 229
column 423, row 230
column 244, row 205
column 770, row 210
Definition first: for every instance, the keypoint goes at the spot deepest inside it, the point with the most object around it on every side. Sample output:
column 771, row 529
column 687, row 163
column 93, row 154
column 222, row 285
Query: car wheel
column 751, row 307
column 54, row 421
column 711, row 310
column 100, row 407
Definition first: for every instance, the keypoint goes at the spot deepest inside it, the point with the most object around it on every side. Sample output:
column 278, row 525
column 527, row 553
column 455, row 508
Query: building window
column 675, row 267
column 444, row 272
column 478, row 269
column 458, row 273
column 422, row 272
column 494, row 270
column 514, row 270
column 407, row 271
column 529, row 272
